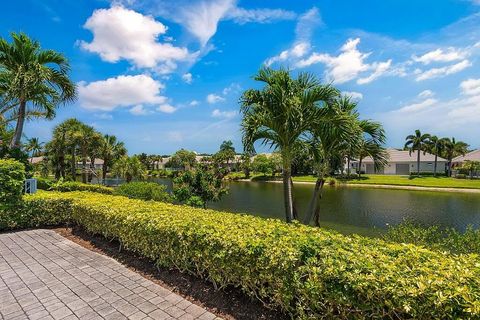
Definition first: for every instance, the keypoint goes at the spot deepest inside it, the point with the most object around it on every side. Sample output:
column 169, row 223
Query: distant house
column 36, row 160
column 98, row 163
column 471, row 156
column 401, row 162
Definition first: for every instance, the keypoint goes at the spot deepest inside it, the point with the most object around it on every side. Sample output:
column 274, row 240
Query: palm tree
column 110, row 150
column 417, row 142
column 88, row 140
column 34, row 146
column 129, row 168
column 32, row 80
column 279, row 115
column 435, row 146
column 452, row 149
column 368, row 148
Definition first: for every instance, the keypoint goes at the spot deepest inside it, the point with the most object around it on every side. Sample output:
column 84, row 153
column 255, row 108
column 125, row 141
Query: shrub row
column 144, row 191
column 307, row 272
column 12, row 178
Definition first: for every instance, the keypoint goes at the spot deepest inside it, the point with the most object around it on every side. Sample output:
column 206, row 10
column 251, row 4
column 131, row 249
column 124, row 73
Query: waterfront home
column 471, row 156
column 98, row 164
column 401, row 162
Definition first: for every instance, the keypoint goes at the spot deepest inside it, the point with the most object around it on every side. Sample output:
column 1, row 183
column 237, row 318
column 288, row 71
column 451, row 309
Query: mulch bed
column 228, row 303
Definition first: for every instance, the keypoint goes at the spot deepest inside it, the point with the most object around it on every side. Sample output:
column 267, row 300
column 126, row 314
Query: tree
column 129, row 168
column 279, row 115
column 34, row 146
column 435, row 146
column 246, row 164
column 263, row 164
column 89, row 142
column 452, row 149
column 183, row 159
column 224, row 155
column 199, row 186
column 471, row 166
column 417, row 142
column 32, row 81
column 110, row 150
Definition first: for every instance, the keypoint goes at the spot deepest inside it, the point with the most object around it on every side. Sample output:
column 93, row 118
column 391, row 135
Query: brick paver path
column 45, row 276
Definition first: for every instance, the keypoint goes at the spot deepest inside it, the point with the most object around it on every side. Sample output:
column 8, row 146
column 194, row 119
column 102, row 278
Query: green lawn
column 439, row 182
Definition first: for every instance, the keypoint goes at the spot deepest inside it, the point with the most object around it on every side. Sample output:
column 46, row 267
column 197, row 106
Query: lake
column 365, row 211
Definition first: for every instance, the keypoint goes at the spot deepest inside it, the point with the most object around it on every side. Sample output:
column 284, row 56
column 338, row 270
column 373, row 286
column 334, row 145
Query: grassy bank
column 393, row 180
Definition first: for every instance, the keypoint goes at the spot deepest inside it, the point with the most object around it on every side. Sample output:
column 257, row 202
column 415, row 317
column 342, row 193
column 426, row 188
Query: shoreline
column 382, row 186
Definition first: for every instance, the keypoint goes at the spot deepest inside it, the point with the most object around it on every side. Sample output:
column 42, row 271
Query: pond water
column 366, row 211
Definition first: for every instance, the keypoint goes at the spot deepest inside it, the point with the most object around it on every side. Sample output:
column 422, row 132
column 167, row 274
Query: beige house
column 401, row 162
column 471, row 156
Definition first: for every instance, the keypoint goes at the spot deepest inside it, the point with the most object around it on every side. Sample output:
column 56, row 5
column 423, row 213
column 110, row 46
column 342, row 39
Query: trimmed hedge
column 305, row 271
column 143, row 191
column 12, row 179
column 69, row 186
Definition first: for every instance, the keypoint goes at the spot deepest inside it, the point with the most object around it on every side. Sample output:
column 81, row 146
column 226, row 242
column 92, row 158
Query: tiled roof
column 472, row 156
column 395, row 155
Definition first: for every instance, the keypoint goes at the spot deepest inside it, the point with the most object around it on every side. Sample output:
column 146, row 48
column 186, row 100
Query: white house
column 401, row 162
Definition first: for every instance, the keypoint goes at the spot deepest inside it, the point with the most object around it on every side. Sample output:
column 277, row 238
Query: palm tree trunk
column 360, row 167
column 287, row 194
column 418, row 162
column 294, row 206
column 15, row 143
column 84, row 165
column 348, row 166
column 435, row 166
column 317, row 192
column 73, row 165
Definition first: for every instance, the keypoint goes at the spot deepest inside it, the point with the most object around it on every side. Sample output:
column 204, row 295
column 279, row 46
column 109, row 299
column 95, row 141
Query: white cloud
column 120, row 33
column 194, row 103
column 103, row 116
column 415, row 107
column 224, row 114
column 348, row 65
column 470, row 87
column 232, row 88
column 242, row 16
column 354, row 95
column 166, row 108
column 303, row 32
column 440, row 55
column 187, row 77
column 426, row 94
column 442, row 71
column 139, row 110
column 214, row 98
column 121, row 91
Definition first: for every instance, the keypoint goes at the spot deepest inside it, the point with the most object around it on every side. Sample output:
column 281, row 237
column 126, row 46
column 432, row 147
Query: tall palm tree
column 452, row 149
column 129, row 168
column 32, row 79
column 417, row 142
column 280, row 114
column 88, row 142
column 110, row 150
column 435, row 146
column 34, row 146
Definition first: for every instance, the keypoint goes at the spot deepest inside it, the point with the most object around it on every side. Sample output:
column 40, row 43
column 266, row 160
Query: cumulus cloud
column 440, row 55
column 166, row 108
column 426, row 94
column 348, row 65
column 418, row 106
column 187, row 77
column 303, row 31
column 354, row 95
column 121, row 91
column 217, row 113
column 120, row 33
column 139, row 110
column 470, row 87
column 442, row 71
column 194, row 103
column 213, row 98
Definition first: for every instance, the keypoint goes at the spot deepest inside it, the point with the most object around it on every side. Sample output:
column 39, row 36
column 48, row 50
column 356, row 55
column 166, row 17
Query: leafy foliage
column 144, row 191
column 307, row 272
column 263, row 164
column 12, row 178
column 129, row 168
column 182, row 159
column 69, row 186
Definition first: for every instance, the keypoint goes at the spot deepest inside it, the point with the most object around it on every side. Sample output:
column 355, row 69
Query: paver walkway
column 45, row 276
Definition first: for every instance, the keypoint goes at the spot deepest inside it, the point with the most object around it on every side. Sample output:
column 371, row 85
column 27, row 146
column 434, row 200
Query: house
column 471, row 156
column 98, row 163
column 402, row 162
column 36, row 160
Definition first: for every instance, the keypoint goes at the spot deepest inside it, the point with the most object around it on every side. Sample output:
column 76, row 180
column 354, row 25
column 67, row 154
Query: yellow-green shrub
column 308, row 272
column 12, row 178
column 68, row 186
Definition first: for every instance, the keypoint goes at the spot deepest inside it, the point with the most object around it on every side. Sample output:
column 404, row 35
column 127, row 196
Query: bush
column 440, row 173
column 434, row 237
column 144, row 191
column 308, row 272
column 44, row 183
column 461, row 176
column 12, row 179
column 69, row 186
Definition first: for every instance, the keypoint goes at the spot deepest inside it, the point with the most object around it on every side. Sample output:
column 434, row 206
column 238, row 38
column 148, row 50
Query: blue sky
column 162, row 76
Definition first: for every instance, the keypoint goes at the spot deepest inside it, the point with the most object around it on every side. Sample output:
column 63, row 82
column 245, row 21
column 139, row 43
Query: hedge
column 307, row 272
column 69, row 186
column 144, row 191
column 12, row 179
